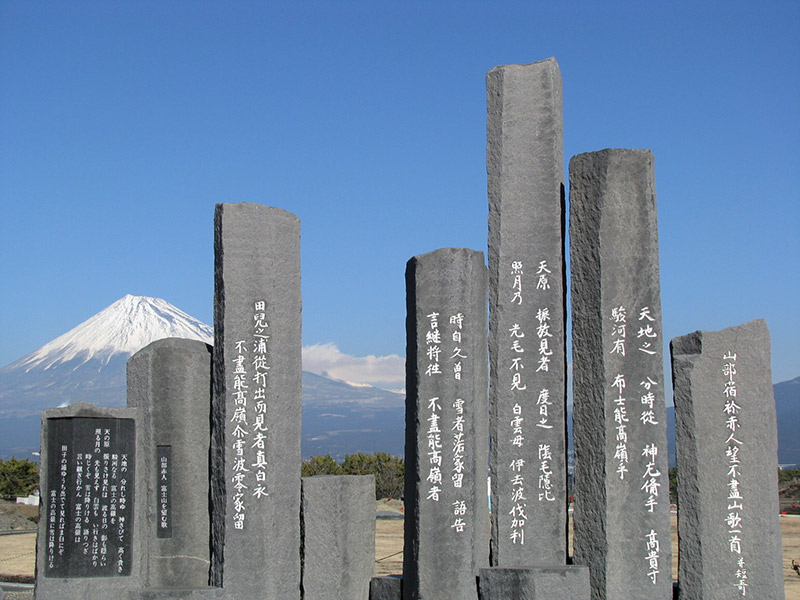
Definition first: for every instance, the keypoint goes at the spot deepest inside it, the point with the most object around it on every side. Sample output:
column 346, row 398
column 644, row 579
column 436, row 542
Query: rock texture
column 338, row 523
column 527, row 349
column 446, row 524
column 257, row 402
column 535, row 583
column 730, row 537
column 170, row 381
column 619, row 420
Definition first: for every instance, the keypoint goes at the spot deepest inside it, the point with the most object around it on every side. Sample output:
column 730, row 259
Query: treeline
column 389, row 470
column 18, row 477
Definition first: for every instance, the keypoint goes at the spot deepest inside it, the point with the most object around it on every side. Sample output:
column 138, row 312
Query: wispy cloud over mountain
column 381, row 371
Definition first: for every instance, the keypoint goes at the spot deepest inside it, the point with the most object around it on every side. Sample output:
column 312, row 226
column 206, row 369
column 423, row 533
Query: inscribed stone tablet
column 170, row 382
column 90, row 496
column 727, row 448
column 446, row 523
column 622, row 527
column 164, row 488
column 256, row 413
column 527, row 349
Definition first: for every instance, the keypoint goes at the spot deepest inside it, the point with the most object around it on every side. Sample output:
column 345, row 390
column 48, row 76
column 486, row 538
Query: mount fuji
column 88, row 364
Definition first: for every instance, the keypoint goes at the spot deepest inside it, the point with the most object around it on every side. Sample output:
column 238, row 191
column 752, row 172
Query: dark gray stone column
column 621, row 483
column 386, row 588
column 542, row 583
column 89, row 545
column 257, row 402
column 527, row 347
column 170, row 381
column 447, row 520
column 338, row 523
column 727, row 447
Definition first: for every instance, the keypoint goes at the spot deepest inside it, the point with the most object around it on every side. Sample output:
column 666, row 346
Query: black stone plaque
column 164, row 491
column 89, row 497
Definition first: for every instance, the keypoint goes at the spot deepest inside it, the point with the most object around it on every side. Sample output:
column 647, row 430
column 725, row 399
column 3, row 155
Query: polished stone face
column 90, row 497
column 621, row 469
column 527, row 347
column 727, row 459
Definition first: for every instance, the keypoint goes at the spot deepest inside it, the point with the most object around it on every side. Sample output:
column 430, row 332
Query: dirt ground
column 17, row 552
column 389, row 550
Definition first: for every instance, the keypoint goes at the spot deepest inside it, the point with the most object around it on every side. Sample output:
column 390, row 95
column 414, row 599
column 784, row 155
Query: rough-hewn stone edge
column 684, row 350
column 411, row 479
column 217, row 491
column 585, row 171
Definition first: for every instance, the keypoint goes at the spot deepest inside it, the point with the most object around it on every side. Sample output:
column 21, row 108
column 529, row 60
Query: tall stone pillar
column 527, row 347
column 621, row 483
column 257, row 402
column 727, row 448
column 447, row 517
column 170, row 382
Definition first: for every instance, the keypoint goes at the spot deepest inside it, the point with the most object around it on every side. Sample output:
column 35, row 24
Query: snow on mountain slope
column 125, row 327
column 88, row 362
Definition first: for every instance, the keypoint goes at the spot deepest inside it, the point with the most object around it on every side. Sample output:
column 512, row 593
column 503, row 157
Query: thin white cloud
column 328, row 360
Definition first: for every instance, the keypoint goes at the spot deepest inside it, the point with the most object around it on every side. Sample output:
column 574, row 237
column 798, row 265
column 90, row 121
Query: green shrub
column 389, row 470
column 18, row 477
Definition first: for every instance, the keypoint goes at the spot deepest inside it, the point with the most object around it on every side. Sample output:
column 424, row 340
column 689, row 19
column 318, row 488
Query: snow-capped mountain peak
column 125, row 327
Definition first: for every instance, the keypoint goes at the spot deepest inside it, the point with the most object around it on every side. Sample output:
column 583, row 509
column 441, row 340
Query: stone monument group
column 194, row 490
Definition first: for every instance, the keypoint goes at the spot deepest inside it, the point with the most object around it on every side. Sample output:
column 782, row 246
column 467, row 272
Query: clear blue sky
column 123, row 123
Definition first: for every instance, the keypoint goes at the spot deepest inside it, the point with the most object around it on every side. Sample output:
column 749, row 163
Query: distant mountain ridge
column 88, row 364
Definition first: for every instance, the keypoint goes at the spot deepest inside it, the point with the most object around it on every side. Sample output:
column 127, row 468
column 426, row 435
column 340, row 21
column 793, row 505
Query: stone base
column 338, row 524
column 535, row 583
column 386, row 588
column 178, row 594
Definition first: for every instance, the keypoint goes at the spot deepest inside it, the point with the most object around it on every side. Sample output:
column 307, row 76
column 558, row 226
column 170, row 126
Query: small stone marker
column 388, row 587
column 447, row 518
column 727, row 448
column 256, row 411
column 88, row 545
column 543, row 583
column 622, row 528
column 170, row 381
column 527, row 347
column 338, row 525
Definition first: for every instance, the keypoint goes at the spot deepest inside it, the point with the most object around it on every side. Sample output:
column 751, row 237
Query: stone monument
column 447, row 518
column 338, row 524
column 87, row 547
column 622, row 528
column 727, row 448
column 527, row 349
column 256, row 411
column 170, row 382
